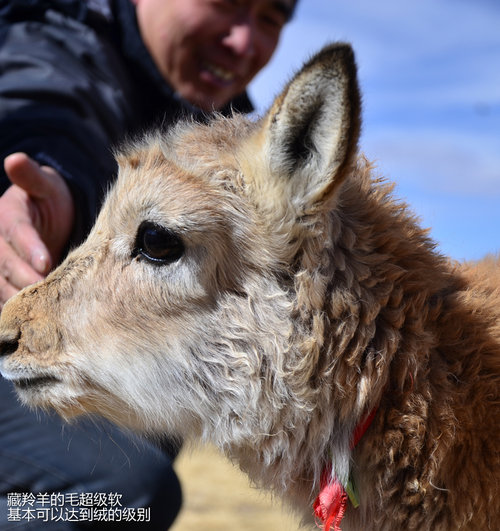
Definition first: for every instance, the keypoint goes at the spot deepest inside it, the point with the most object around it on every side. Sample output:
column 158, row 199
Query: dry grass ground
column 218, row 497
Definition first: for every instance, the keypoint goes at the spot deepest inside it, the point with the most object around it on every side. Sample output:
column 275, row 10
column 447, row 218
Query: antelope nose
column 9, row 341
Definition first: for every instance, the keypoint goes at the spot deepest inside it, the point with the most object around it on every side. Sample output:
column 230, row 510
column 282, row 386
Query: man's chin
column 209, row 97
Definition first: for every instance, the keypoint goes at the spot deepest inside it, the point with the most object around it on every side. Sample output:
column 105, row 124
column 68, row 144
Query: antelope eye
column 157, row 244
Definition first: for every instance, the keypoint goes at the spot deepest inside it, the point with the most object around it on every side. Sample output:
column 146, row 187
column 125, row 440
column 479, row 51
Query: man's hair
column 287, row 9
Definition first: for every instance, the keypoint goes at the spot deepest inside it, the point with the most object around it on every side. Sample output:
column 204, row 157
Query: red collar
column 331, row 503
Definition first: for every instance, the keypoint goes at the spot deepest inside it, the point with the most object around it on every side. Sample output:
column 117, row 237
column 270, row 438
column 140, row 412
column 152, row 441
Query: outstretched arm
column 63, row 103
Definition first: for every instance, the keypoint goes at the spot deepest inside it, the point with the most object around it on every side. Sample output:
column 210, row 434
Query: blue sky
column 430, row 76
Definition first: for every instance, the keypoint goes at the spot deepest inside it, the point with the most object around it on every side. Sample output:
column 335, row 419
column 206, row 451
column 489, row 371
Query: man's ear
column 312, row 129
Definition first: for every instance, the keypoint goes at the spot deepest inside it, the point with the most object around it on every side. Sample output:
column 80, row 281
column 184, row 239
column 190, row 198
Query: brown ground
column 218, row 497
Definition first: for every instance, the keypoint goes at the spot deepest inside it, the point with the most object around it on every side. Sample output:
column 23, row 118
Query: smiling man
column 77, row 77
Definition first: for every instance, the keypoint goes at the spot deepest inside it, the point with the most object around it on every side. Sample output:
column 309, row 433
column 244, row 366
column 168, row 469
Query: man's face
column 209, row 50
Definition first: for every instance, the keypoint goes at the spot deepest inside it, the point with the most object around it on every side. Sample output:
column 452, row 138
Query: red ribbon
column 331, row 503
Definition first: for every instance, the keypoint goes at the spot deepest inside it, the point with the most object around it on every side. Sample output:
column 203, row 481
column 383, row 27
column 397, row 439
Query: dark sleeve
column 63, row 101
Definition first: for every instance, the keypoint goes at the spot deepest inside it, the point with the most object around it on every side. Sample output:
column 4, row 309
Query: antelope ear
column 312, row 129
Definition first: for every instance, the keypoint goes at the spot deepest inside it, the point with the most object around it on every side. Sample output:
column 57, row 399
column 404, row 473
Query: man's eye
column 227, row 4
column 157, row 244
column 274, row 21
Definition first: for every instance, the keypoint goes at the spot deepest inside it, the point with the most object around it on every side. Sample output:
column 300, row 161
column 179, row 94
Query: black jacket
column 74, row 83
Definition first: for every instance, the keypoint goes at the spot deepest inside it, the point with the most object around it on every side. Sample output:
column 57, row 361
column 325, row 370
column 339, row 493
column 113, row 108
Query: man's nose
column 241, row 38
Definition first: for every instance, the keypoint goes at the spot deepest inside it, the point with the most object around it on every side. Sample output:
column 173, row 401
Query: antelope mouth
column 37, row 382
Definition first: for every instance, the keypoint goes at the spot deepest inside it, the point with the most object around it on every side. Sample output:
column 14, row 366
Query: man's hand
column 36, row 219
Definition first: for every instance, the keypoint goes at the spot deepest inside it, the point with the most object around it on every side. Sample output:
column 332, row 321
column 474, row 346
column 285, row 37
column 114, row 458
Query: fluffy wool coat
column 257, row 285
